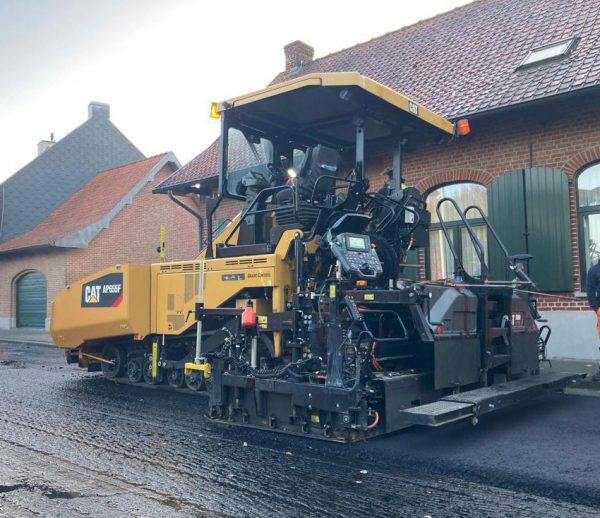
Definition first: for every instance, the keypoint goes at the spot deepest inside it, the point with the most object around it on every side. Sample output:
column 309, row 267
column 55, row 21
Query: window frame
column 581, row 213
column 454, row 227
column 569, row 44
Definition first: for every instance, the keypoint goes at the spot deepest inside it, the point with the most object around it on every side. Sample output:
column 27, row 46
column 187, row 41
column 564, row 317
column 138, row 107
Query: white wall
column 574, row 335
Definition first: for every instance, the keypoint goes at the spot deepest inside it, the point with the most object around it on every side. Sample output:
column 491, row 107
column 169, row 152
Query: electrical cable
column 374, row 361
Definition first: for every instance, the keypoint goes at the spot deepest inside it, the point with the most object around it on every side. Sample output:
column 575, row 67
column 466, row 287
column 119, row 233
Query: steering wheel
column 277, row 175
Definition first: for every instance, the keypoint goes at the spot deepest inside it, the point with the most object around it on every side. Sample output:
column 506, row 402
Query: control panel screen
column 358, row 243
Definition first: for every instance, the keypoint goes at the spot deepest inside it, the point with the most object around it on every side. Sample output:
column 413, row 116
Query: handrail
column 490, row 227
column 478, row 247
column 265, row 193
column 335, row 188
column 517, row 268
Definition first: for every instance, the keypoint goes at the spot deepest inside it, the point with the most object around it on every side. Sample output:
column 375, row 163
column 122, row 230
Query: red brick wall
column 51, row 263
column 134, row 234
column 564, row 136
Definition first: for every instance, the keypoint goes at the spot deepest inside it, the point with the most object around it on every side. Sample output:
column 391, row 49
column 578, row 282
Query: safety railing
column 510, row 261
column 477, row 246
column 262, row 197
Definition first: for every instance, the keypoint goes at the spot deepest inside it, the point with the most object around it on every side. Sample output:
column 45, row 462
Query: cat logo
column 92, row 294
column 103, row 292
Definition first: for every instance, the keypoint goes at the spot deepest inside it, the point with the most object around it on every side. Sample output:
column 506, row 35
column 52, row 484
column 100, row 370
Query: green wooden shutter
column 529, row 208
column 506, row 212
column 31, row 300
column 547, row 204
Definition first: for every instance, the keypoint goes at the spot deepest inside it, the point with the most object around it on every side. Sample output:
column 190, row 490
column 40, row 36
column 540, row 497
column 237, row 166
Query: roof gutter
column 29, row 249
column 197, row 215
column 566, row 96
column 187, row 187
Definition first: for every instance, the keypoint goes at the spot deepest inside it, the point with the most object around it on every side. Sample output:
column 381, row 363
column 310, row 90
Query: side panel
column 456, row 362
column 110, row 303
column 175, row 286
column 402, row 392
column 175, row 297
column 221, row 285
column 524, row 339
column 524, row 360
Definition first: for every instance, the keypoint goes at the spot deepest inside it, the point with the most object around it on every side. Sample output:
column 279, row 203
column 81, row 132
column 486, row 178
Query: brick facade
column 134, row 234
column 132, row 237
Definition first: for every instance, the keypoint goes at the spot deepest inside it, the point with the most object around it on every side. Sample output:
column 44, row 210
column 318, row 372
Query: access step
column 474, row 403
column 437, row 413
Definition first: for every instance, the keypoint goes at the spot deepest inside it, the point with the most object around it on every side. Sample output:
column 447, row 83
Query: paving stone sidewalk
column 26, row 335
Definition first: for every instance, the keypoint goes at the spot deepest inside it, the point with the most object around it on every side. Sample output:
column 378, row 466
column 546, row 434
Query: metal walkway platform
column 474, row 403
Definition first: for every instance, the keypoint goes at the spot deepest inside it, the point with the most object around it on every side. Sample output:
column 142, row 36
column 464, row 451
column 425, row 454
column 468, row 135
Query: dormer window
column 548, row 52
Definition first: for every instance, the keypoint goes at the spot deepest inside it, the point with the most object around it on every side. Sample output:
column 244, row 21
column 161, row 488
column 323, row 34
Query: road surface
column 76, row 444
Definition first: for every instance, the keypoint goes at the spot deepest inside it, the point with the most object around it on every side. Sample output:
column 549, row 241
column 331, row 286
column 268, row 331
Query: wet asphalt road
column 75, row 444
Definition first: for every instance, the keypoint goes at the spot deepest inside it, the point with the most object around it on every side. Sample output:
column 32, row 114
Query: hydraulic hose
column 277, row 373
column 375, row 420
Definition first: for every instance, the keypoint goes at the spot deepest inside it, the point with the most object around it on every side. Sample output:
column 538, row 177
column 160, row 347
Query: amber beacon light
column 214, row 111
column 462, row 127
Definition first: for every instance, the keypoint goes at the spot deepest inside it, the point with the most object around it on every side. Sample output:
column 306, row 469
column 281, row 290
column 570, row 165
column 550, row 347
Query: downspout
column 2, row 211
column 197, row 215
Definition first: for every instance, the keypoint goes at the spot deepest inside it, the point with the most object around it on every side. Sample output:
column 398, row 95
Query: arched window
column 441, row 262
column 588, row 211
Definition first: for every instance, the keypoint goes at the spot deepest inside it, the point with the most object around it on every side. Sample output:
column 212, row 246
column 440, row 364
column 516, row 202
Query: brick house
column 527, row 76
column 87, row 217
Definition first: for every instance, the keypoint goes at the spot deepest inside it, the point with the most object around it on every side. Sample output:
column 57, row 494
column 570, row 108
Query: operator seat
column 317, row 162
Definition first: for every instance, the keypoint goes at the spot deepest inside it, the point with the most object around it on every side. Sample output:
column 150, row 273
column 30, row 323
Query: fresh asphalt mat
column 76, row 444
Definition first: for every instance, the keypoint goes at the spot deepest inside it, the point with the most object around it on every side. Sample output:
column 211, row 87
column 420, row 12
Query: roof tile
column 40, row 187
column 88, row 205
column 464, row 61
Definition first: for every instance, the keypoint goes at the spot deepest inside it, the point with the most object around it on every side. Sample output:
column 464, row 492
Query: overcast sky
column 159, row 63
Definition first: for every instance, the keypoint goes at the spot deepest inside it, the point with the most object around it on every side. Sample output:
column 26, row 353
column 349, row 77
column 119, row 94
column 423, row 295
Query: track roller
column 148, row 373
column 175, row 378
column 135, row 372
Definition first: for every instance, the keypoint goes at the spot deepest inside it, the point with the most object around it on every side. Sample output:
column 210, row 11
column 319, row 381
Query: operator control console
column 356, row 256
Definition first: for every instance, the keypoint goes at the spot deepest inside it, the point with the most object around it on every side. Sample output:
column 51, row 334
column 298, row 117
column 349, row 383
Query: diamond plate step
column 480, row 401
column 437, row 413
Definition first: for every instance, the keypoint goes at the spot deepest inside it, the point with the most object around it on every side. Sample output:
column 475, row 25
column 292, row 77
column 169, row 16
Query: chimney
column 44, row 145
column 96, row 109
column 297, row 54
